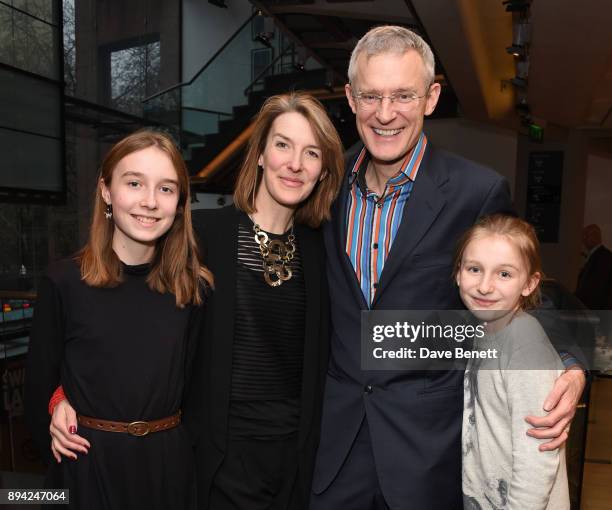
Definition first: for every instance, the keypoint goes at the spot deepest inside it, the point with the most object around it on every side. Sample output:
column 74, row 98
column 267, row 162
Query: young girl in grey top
column 498, row 271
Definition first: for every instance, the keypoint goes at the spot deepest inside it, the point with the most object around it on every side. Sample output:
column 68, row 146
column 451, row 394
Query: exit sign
column 536, row 133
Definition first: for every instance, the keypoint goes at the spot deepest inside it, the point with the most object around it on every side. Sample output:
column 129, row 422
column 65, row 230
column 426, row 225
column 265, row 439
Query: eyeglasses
column 402, row 100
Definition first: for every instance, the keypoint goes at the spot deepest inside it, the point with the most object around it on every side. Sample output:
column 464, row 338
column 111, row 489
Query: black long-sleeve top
column 268, row 349
column 120, row 354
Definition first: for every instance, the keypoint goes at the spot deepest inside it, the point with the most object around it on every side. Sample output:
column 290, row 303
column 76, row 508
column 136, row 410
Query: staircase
column 331, row 28
column 229, row 128
column 219, row 103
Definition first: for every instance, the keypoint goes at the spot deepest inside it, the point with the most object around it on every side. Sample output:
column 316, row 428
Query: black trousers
column 356, row 486
column 258, row 475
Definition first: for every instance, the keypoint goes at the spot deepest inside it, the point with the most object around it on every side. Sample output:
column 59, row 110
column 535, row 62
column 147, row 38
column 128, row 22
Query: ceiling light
column 517, row 51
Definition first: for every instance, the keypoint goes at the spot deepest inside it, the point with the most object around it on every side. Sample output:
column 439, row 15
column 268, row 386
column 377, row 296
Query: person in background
column 594, row 287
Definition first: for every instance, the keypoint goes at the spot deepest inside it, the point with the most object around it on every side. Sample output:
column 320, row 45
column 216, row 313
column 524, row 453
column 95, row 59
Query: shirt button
column 376, row 285
column 379, row 205
column 375, row 246
column 368, row 389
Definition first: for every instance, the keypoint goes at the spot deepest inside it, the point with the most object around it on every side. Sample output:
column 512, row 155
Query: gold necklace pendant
column 276, row 256
column 274, row 279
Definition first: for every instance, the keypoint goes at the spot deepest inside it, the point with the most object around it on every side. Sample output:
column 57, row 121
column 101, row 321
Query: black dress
column 120, row 354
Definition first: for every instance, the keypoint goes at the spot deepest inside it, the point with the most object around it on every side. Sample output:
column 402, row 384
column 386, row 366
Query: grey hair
column 392, row 39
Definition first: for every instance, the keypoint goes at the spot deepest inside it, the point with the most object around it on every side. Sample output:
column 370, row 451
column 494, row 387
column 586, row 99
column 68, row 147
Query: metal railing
column 208, row 62
column 268, row 68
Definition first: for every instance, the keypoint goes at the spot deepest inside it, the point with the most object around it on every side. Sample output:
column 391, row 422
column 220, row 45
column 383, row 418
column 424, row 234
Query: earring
column 256, row 181
column 108, row 214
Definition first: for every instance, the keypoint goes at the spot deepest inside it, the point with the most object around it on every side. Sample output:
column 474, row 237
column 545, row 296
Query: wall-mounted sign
column 544, row 178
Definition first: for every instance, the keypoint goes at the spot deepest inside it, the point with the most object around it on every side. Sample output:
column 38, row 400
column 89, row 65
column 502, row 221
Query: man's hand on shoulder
column 561, row 404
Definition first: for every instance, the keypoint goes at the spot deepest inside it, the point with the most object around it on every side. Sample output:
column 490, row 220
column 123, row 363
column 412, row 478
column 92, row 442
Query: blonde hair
column 175, row 267
column 316, row 208
column 519, row 232
column 392, row 39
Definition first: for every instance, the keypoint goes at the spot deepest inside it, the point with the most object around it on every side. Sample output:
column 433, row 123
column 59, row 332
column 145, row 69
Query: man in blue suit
column 392, row 440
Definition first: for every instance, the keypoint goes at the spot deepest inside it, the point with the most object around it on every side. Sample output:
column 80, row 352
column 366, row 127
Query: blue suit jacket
column 414, row 417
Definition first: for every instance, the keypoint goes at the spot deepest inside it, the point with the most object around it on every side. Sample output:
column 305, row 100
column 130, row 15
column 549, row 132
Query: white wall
column 598, row 206
column 488, row 145
column 206, row 28
column 508, row 154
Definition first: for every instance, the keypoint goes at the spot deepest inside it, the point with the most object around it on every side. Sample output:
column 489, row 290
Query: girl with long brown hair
column 116, row 327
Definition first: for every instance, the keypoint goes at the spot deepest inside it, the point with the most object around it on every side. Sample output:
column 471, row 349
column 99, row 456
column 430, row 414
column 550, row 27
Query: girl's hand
column 64, row 439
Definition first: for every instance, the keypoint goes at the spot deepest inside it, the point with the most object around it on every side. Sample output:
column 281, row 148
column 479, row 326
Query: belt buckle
column 138, row 428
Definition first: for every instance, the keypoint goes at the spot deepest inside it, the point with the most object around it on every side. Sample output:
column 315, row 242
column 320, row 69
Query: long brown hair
column 524, row 237
column 175, row 267
column 316, row 208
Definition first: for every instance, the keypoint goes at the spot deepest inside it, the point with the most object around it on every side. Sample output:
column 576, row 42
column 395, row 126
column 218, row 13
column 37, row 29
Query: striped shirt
column 372, row 221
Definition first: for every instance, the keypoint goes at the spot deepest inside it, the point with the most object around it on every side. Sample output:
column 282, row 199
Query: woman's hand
column 64, row 439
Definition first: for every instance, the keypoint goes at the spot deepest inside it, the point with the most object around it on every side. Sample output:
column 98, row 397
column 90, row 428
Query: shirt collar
column 408, row 169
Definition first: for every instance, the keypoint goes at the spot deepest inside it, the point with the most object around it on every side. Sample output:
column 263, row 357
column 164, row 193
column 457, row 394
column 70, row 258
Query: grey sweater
column 502, row 466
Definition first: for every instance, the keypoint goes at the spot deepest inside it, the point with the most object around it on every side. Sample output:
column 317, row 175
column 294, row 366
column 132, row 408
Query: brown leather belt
column 135, row 428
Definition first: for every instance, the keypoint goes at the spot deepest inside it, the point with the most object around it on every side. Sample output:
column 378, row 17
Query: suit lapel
column 340, row 232
column 423, row 206
column 312, row 267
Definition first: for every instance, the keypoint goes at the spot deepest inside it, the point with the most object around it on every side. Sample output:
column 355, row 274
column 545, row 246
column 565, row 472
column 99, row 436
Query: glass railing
column 165, row 109
column 201, row 121
column 255, row 52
